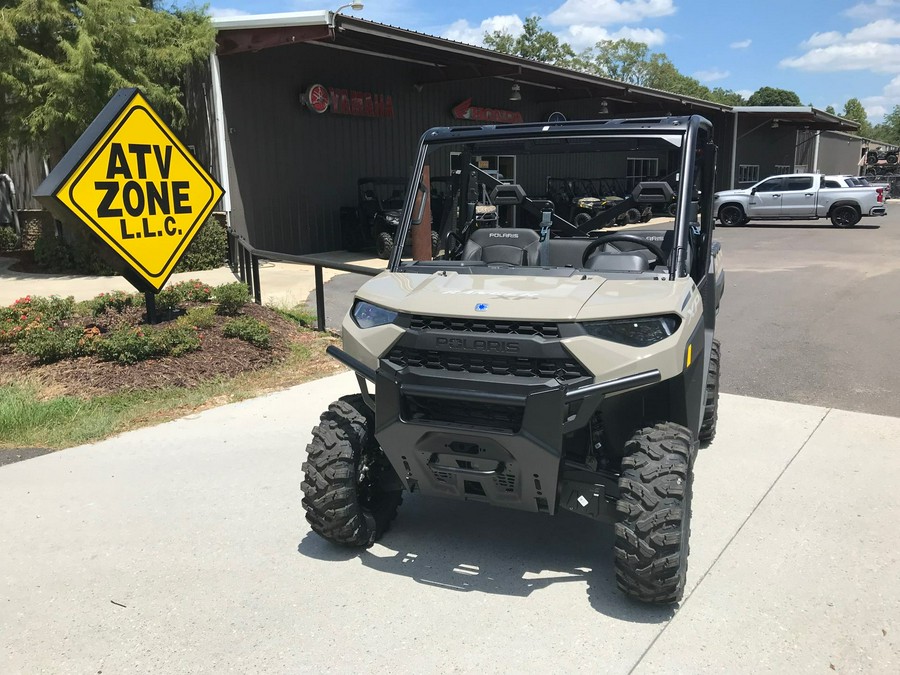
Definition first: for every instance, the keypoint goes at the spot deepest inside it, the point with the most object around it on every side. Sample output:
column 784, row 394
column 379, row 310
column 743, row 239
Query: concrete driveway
column 182, row 548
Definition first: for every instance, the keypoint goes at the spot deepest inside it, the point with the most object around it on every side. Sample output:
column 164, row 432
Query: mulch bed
column 218, row 357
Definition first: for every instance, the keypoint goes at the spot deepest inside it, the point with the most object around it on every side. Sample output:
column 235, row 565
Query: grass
column 31, row 416
column 299, row 314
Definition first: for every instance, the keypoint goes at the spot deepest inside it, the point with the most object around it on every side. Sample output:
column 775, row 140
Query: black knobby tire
column 646, row 214
column 653, row 535
column 384, row 245
column 350, row 491
column 891, row 158
column 581, row 218
column 731, row 215
column 435, row 244
column 872, row 158
column 711, row 407
column 672, row 209
column 844, row 216
column 632, row 216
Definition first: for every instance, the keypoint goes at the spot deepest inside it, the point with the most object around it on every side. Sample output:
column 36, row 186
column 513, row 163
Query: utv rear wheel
column 731, row 215
column 652, row 537
column 384, row 245
column 844, row 216
column 350, row 491
column 711, row 408
column 633, row 216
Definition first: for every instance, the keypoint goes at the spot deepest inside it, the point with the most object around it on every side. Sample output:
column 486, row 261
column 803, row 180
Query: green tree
column 853, row 110
column 830, row 110
column 773, row 96
column 624, row 60
column 889, row 129
column 61, row 61
column 534, row 43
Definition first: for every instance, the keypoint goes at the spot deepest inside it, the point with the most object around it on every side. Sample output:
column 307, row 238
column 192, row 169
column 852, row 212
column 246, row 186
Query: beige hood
column 532, row 298
column 493, row 296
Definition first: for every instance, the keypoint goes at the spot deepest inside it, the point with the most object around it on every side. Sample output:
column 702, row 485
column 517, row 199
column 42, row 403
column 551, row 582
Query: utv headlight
column 638, row 332
column 368, row 316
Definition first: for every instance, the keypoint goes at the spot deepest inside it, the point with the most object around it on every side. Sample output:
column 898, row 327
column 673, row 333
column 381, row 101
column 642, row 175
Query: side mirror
column 752, row 191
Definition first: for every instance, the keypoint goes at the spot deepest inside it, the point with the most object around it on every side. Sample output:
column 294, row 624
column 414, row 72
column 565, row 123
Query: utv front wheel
column 350, row 491
column 384, row 245
column 711, row 408
column 652, row 537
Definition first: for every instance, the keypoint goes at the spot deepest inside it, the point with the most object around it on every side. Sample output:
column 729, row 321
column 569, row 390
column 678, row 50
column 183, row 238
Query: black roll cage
column 689, row 127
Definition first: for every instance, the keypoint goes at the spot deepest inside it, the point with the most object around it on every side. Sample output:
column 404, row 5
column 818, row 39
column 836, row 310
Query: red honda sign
column 466, row 111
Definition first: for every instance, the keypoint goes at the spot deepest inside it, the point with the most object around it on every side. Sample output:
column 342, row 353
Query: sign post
column 136, row 187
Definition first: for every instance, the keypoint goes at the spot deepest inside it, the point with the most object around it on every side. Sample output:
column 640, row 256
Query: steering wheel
column 622, row 236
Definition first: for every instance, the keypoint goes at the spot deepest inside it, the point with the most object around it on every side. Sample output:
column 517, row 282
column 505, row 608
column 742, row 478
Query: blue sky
column 827, row 51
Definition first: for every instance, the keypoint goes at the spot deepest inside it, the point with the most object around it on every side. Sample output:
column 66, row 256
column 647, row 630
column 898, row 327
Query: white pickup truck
column 799, row 196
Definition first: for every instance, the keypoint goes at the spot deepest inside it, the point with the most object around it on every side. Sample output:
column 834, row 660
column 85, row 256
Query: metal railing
column 244, row 262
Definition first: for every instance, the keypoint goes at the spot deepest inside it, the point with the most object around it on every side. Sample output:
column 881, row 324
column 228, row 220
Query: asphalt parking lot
column 182, row 547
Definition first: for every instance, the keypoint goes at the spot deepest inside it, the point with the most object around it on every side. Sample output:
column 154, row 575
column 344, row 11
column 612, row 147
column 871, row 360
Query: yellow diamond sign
column 134, row 183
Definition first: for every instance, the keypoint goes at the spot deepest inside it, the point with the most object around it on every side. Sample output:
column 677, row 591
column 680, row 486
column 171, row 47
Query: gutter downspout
column 734, row 141
column 219, row 124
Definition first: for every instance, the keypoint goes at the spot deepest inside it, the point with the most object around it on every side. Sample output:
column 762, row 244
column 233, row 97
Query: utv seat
column 513, row 246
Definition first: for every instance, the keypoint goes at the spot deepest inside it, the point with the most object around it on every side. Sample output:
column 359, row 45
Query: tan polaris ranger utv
column 536, row 364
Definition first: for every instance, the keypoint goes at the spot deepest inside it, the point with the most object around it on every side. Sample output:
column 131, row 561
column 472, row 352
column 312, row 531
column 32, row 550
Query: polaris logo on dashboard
column 477, row 345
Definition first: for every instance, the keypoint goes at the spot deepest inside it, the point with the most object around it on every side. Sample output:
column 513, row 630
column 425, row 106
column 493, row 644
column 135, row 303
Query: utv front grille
column 488, row 415
column 497, row 327
column 487, row 364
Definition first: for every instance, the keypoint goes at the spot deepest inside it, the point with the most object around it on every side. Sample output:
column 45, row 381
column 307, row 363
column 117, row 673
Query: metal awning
column 438, row 60
column 798, row 116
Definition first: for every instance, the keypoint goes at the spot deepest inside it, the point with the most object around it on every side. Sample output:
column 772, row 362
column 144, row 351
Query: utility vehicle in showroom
column 538, row 365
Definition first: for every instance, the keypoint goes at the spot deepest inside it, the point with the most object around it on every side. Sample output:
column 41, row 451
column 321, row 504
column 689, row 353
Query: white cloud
column 581, row 36
column 741, row 44
column 711, row 75
column 865, row 11
column 873, row 56
column 463, row 31
column 822, row 40
column 221, row 12
column 746, row 93
column 877, row 106
column 609, row 12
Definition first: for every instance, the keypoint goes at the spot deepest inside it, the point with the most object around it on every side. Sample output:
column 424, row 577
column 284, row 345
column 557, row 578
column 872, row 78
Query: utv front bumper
column 452, row 435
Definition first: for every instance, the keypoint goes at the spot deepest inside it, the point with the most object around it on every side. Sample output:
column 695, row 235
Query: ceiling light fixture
column 515, row 93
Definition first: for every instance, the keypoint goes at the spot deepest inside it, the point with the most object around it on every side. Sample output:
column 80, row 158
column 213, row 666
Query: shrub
column 198, row 317
column 177, row 340
column 230, row 298
column 249, row 330
column 127, row 345
column 9, row 240
column 168, row 299
column 130, row 345
column 55, row 255
column 115, row 319
column 117, row 300
column 207, row 250
column 192, row 290
column 54, row 309
column 47, row 345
